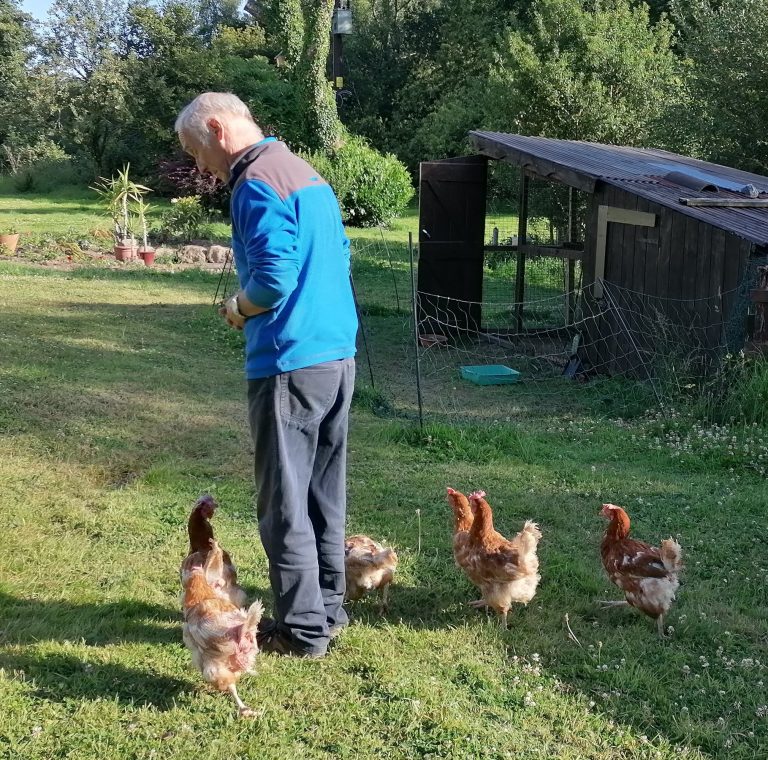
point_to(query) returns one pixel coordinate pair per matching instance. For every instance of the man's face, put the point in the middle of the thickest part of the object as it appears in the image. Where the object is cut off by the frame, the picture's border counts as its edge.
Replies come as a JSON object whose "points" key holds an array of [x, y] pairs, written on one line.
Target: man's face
{"points": [[210, 156]]}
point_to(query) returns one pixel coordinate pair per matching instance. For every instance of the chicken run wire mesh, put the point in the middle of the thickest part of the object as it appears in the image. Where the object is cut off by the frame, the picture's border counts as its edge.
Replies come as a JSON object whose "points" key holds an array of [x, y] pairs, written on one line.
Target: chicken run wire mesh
{"points": [[622, 354]]}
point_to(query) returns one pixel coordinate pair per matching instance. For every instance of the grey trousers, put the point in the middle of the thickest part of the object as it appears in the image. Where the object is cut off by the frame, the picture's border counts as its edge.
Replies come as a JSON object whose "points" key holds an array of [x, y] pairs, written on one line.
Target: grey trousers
{"points": [[299, 426]]}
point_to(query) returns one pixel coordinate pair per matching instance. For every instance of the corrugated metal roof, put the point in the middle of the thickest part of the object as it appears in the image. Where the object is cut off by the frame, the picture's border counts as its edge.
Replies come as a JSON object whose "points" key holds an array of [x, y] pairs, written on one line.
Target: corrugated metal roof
{"points": [[637, 170]]}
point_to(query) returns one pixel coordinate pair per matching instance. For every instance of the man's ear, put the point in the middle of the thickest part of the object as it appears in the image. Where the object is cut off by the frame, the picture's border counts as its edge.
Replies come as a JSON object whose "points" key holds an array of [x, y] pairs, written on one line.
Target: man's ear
{"points": [[215, 126]]}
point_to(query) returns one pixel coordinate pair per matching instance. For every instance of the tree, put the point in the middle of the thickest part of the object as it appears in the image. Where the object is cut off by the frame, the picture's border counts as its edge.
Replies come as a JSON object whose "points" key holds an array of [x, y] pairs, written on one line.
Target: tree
{"points": [[215, 14], [607, 75], [323, 127], [29, 95], [300, 31], [393, 41], [16, 38], [81, 34], [728, 112]]}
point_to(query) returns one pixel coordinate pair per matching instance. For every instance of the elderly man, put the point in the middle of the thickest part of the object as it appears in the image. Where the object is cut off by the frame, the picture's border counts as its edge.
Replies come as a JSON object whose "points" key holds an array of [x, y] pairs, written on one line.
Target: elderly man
{"points": [[296, 309]]}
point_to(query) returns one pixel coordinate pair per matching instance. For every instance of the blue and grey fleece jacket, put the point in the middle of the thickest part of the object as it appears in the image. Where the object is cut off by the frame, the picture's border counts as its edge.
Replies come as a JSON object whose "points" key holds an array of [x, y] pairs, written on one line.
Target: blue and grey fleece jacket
{"points": [[292, 257]]}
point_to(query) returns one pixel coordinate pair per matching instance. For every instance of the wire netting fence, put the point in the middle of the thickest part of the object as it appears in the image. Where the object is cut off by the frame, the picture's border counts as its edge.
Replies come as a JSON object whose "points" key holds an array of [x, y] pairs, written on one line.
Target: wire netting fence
{"points": [[556, 217], [622, 354], [549, 289]]}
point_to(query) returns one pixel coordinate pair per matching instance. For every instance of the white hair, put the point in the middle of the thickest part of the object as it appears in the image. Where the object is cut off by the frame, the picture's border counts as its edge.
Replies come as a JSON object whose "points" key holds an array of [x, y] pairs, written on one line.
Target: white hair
{"points": [[193, 119]]}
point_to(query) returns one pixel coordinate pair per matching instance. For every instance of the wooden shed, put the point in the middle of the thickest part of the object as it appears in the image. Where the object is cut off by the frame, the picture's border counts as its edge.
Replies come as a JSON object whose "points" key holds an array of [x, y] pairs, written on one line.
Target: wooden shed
{"points": [[657, 223]]}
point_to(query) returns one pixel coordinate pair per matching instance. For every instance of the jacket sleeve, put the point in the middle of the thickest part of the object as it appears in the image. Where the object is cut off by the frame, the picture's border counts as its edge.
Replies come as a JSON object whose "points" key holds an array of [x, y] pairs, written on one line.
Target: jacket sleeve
{"points": [[269, 230]]}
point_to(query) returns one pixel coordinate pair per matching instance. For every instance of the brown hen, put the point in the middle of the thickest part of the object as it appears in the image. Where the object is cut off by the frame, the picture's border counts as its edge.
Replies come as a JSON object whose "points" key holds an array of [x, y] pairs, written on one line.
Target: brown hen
{"points": [[222, 576], [648, 576], [505, 571], [369, 566]]}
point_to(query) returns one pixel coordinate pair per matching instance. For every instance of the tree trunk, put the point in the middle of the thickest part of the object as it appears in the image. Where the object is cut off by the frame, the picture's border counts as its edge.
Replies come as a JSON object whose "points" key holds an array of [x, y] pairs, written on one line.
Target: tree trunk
{"points": [[323, 126]]}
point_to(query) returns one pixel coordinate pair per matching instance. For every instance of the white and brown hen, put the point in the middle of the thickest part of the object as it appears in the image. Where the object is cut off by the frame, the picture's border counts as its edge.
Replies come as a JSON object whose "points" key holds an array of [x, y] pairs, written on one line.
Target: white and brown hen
{"points": [[369, 566], [222, 575], [220, 635], [648, 576], [506, 571]]}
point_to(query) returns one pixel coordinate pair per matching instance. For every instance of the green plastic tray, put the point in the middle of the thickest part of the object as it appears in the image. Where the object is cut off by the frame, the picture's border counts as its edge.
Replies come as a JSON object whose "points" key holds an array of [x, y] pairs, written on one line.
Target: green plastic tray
{"points": [[490, 374]]}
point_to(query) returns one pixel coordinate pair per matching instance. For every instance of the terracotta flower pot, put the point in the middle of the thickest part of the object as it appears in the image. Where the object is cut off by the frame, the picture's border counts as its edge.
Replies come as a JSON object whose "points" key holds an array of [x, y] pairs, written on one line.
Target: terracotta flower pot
{"points": [[148, 254], [8, 243], [124, 252]]}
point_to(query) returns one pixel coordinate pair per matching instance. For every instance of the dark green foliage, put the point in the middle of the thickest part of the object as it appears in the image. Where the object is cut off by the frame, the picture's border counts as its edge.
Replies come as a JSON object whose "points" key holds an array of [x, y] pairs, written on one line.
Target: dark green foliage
{"points": [[48, 173], [728, 64], [559, 68], [372, 188]]}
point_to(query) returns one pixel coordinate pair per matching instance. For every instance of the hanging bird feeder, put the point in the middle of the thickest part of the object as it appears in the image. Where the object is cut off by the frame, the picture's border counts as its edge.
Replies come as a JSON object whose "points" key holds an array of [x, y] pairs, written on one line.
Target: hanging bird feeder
{"points": [[342, 18]]}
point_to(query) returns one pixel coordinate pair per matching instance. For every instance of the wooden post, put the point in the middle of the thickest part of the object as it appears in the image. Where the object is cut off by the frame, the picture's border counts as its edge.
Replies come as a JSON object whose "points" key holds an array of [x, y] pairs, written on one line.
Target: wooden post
{"points": [[570, 267], [606, 214], [415, 310], [495, 236], [759, 297], [522, 235]]}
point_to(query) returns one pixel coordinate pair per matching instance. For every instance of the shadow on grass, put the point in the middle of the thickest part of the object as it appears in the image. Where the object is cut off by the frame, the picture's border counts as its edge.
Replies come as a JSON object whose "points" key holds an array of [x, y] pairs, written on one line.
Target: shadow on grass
{"points": [[28, 621], [62, 677]]}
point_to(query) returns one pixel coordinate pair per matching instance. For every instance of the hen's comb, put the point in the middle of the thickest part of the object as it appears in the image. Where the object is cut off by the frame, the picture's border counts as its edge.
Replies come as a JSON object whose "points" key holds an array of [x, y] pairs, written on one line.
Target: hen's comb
{"points": [[477, 495], [451, 491]]}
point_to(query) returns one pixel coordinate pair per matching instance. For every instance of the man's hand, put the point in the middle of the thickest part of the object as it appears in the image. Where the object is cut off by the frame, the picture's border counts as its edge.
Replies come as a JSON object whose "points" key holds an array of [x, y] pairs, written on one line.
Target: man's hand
{"points": [[238, 308], [228, 311]]}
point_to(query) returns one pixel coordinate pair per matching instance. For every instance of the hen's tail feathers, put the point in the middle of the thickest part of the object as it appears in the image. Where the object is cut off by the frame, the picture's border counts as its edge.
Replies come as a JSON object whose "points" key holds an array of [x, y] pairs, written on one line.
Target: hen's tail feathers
{"points": [[253, 616], [671, 555], [530, 534], [374, 558]]}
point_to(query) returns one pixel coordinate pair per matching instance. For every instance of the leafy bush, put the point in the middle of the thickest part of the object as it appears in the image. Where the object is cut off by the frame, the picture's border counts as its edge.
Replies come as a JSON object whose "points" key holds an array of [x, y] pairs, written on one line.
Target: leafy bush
{"points": [[46, 175], [18, 153], [186, 219], [738, 391], [180, 177], [44, 166], [372, 188]]}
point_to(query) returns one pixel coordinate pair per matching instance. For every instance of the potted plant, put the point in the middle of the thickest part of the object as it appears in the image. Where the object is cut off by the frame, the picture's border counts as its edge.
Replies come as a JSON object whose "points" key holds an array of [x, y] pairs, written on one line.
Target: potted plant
{"points": [[147, 252], [9, 239], [119, 195]]}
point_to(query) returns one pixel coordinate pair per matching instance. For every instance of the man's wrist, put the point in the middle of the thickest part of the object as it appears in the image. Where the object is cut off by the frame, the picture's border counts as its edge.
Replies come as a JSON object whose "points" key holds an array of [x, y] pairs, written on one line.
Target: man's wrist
{"points": [[234, 307]]}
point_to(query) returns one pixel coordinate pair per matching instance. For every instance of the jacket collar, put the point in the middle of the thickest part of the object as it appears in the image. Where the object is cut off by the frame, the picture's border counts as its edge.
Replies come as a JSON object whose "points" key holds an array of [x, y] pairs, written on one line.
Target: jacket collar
{"points": [[250, 155]]}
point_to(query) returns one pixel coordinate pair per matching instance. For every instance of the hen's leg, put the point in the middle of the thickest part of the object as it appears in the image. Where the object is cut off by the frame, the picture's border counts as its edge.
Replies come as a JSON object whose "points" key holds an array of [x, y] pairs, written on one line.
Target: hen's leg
{"points": [[504, 614], [384, 605], [478, 604], [244, 710], [660, 626], [607, 604]]}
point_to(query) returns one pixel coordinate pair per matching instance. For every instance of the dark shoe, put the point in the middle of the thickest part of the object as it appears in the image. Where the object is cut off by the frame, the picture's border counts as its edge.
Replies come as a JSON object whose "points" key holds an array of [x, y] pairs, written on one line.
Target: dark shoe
{"points": [[266, 625], [273, 641], [336, 630]]}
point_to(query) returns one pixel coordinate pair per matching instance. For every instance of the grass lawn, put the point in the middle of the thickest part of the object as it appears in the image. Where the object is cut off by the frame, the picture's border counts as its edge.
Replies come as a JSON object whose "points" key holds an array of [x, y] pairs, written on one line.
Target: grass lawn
{"points": [[67, 213], [71, 212], [121, 400]]}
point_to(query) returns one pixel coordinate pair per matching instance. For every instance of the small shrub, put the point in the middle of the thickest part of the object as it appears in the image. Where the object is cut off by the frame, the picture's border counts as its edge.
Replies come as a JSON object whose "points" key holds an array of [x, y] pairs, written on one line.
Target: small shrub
{"points": [[47, 174], [186, 219], [180, 177], [738, 391], [372, 188]]}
